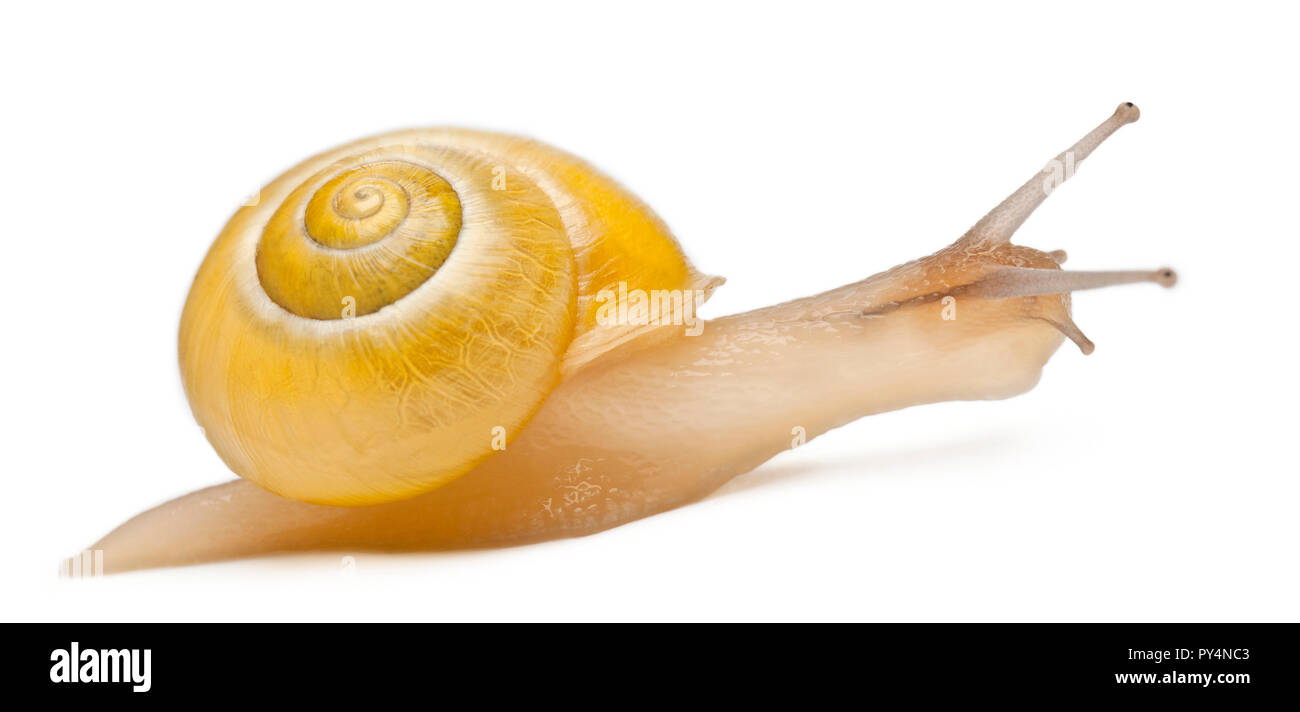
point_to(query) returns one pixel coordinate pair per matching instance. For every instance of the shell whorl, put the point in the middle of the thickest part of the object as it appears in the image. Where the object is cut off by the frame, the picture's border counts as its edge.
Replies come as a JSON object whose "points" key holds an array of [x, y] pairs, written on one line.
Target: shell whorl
{"points": [[388, 308], [373, 231]]}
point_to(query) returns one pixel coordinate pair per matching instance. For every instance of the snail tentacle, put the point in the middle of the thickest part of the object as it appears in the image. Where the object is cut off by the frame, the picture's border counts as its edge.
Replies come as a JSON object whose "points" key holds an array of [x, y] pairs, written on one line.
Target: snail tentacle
{"points": [[1001, 222]]}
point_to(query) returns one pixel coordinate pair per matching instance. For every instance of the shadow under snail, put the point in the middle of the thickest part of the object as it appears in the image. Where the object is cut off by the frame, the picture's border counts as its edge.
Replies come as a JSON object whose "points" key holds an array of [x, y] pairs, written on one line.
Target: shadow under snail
{"points": [[423, 340]]}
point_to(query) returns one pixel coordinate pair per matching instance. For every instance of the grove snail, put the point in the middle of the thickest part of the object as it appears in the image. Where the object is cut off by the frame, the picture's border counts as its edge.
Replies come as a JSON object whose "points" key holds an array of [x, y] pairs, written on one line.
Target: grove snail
{"points": [[407, 344]]}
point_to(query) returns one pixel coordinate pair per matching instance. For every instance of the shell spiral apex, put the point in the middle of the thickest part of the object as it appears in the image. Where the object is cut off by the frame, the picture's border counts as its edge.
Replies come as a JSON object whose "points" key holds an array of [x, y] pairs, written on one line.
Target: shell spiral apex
{"points": [[362, 334]]}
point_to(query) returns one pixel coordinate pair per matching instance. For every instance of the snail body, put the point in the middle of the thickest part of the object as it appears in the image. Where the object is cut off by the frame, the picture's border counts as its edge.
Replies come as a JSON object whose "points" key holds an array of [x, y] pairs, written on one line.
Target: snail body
{"points": [[474, 395]]}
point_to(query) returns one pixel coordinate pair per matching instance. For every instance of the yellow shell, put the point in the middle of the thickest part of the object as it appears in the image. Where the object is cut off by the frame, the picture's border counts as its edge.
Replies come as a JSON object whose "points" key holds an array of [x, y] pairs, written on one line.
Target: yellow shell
{"points": [[392, 307]]}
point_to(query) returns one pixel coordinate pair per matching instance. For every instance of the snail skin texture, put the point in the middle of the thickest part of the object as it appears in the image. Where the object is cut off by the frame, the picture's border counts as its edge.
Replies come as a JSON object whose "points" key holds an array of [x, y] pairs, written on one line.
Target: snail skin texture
{"points": [[409, 344]]}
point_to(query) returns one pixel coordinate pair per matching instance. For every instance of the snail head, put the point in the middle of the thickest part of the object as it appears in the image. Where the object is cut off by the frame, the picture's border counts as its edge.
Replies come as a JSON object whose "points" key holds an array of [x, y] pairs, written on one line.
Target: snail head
{"points": [[983, 281]]}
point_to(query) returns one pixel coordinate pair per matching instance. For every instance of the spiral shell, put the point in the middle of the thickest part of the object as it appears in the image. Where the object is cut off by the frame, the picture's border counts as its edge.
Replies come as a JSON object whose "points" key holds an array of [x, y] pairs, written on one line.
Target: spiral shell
{"points": [[391, 306]]}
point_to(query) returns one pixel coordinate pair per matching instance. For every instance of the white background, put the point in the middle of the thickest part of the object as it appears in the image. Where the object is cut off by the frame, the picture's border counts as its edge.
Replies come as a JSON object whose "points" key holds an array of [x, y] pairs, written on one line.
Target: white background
{"points": [[792, 147]]}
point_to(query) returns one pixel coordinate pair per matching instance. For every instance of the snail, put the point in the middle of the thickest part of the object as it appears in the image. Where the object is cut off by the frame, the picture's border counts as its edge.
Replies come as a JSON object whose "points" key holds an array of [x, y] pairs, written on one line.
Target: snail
{"points": [[449, 338]]}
